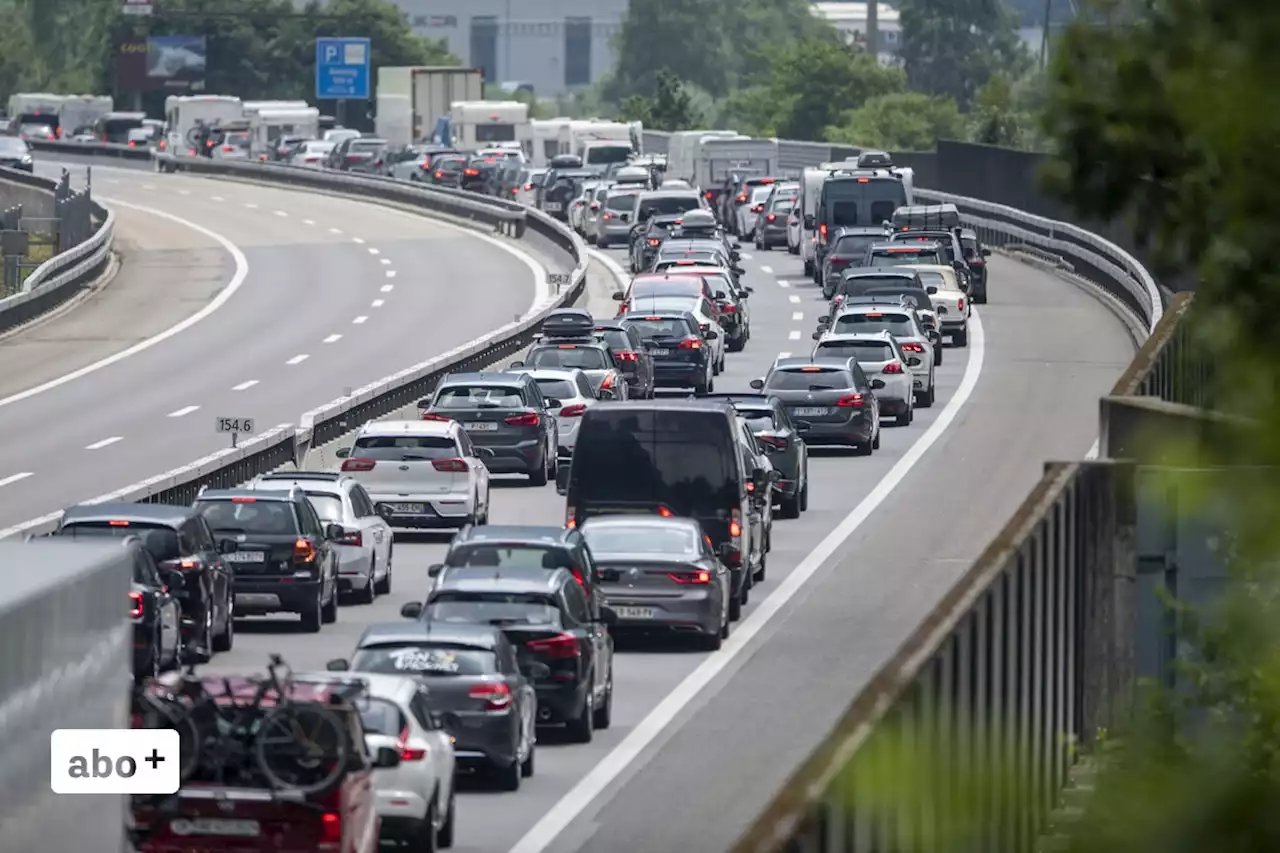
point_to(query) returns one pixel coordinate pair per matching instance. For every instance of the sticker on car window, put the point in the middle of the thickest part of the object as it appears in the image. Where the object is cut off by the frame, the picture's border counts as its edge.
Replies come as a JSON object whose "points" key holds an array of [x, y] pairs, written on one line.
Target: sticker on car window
{"points": [[425, 660]]}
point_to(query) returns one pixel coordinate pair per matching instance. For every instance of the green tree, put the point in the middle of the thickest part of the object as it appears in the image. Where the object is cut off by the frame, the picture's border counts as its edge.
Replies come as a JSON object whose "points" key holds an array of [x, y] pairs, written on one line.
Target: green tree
{"points": [[952, 47], [901, 121], [670, 109]]}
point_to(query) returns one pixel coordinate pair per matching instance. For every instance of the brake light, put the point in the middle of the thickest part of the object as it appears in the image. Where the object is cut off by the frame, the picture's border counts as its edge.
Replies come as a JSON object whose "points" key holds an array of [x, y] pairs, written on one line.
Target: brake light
{"points": [[663, 512], [330, 828], [690, 343], [839, 262], [741, 199], [892, 367], [471, 173], [913, 347], [773, 441], [607, 216], [707, 194], [735, 526], [728, 309], [528, 188], [433, 417], [607, 383], [850, 401], [118, 523], [439, 174], [570, 520], [132, 143], [244, 500], [960, 304], [303, 551], [451, 466], [559, 646], [757, 208], [353, 538], [357, 464], [627, 356], [577, 576], [822, 230], [528, 419], [771, 217], [135, 605], [653, 241], [577, 410], [690, 577]]}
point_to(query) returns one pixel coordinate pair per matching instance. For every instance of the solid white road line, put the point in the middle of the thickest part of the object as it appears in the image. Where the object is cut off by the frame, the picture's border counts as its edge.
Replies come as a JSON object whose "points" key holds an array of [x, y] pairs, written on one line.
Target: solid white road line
{"points": [[359, 319], [387, 288], [377, 303], [298, 359], [183, 412], [333, 339], [672, 707], [793, 336], [244, 386], [13, 478], [106, 442], [237, 279]]}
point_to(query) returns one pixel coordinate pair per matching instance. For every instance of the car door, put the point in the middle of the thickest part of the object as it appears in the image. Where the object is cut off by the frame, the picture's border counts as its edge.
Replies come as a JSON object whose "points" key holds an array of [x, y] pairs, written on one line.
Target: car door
{"points": [[371, 524], [167, 611], [755, 502], [521, 687], [312, 527], [708, 315], [197, 539], [467, 451], [547, 421], [439, 747], [578, 608]]}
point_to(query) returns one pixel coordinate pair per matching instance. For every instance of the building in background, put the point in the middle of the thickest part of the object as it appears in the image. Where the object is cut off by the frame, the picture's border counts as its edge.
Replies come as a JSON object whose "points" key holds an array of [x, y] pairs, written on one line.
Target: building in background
{"points": [[554, 46], [849, 17]]}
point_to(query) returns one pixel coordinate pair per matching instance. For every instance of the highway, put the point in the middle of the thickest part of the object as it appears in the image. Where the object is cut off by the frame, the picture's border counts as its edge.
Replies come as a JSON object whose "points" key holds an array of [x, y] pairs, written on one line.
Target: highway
{"points": [[288, 299]]}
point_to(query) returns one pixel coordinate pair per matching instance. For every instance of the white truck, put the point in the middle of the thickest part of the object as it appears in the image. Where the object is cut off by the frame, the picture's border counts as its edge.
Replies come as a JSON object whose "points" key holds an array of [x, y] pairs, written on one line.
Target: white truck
{"points": [[79, 113], [484, 124], [35, 109], [811, 182], [719, 157], [410, 100], [683, 149], [66, 649]]}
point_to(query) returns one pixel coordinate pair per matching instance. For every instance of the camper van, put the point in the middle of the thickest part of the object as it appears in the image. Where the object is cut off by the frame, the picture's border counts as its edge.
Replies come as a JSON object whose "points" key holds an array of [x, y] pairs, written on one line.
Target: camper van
{"points": [[683, 150], [79, 113], [183, 112], [481, 124], [545, 140], [34, 111]]}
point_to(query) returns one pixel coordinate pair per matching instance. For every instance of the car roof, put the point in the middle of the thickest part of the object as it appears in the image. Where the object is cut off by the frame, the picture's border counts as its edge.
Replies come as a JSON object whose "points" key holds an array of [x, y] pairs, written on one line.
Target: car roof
{"points": [[642, 520], [860, 230], [485, 578], [253, 495], [788, 362], [665, 314], [903, 271], [513, 533], [482, 377], [875, 308], [391, 428], [839, 337], [570, 374], [458, 633], [126, 511]]}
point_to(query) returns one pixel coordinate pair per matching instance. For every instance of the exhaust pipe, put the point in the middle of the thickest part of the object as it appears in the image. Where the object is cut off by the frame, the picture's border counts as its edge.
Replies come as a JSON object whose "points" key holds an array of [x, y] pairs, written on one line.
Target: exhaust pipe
{"points": [[544, 713]]}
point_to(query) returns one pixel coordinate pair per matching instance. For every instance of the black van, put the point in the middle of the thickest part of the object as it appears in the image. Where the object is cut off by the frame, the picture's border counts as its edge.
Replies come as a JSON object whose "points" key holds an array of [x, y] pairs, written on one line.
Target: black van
{"points": [[672, 458]]}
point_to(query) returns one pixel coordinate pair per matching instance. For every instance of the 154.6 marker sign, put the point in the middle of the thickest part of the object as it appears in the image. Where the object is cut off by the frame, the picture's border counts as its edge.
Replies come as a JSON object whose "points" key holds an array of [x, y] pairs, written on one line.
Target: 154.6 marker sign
{"points": [[236, 425]]}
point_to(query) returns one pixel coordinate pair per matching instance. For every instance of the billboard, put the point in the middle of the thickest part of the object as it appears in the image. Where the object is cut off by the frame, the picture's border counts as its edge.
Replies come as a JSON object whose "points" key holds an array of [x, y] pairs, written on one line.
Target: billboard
{"points": [[162, 63]]}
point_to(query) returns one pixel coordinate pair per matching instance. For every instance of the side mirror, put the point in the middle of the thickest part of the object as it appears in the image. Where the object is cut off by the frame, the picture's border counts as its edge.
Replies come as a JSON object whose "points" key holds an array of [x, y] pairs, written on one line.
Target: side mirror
{"points": [[424, 403], [775, 476], [817, 336], [757, 384], [385, 758], [931, 290], [761, 478], [913, 362], [711, 334], [338, 665], [434, 570], [877, 384], [808, 222], [552, 403], [719, 294], [515, 365], [228, 546], [824, 320], [618, 297], [411, 609], [736, 246], [342, 452], [334, 531], [384, 512], [608, 615]]}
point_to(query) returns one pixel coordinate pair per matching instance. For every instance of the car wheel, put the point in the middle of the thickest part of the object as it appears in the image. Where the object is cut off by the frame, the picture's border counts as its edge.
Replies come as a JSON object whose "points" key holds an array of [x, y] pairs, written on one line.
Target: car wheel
{"points": [[961, 338], [601, 242], [804, 493], [713, 641], [507, 776], [603, 716], [903, 419], [538, 476], [224, 641], [789, 507], [808, 267], [367, 594], [581, 729], [758, 575], [937, 355], [383, 587], [425, 832], [311, 619], [444, 838], [329, 610], [735, 605], [875, 442]]}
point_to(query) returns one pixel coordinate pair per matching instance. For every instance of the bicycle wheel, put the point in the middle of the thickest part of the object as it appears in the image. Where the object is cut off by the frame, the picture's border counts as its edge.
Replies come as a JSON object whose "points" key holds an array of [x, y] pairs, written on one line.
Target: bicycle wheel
{"points": [[164, 712], [303, 747]]}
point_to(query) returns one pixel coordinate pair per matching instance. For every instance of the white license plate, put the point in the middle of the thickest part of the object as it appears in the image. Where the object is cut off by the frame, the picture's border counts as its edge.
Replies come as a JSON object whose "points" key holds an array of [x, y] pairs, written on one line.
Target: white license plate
{"points": [[552, 206], [480, 426], [810, 411], [659, 352], [409, 508], [634, 612], [245, 557], [215, 826]]}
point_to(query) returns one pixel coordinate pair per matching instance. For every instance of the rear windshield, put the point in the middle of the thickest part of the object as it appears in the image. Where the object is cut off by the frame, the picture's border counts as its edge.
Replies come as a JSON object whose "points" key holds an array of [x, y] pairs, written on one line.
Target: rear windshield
{"points": [[616, 340], [970, 246], [425, 659], [854, 244], [895, 324], [783, 205], [584, 358], [557, 389], [668, 303], [479, 397], [380, 717], [825, 379], [759, 194], [898, 258], [670, 204], [509, 556], [864, 283], [684, 460], [366, 146], [449, 164], [687, 259], [870, 351], [931, 278], [252, 516], [405, 448], [660, 327], [915, 295], [495, 608], [624, 201], [758, 421], [236, 140], [620, 540], [159, 537]]}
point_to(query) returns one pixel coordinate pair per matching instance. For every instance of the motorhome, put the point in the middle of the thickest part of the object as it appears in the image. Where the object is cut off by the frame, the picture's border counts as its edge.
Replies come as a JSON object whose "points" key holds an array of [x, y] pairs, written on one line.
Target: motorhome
{"points": [[720, 157], [184, 112], [477, 124], [79, 113], [601, 143], [35, 108], [545, 140], [269, 124], [683, 149]]}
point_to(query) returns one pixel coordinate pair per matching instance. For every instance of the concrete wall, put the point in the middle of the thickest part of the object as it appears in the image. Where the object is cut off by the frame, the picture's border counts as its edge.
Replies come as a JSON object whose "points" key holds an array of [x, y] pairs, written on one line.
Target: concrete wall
{"points": [[37, 202]]}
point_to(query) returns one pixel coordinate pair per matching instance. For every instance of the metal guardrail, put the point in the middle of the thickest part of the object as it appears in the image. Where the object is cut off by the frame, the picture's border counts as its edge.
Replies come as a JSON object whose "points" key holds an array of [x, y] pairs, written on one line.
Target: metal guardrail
{"points": [[277, 447]]}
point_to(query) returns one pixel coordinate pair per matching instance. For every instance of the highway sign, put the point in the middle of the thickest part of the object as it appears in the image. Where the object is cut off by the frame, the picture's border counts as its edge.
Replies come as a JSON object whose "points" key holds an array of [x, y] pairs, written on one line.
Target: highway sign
{"points": [[236, 425], [137, 7], [342, 69]]}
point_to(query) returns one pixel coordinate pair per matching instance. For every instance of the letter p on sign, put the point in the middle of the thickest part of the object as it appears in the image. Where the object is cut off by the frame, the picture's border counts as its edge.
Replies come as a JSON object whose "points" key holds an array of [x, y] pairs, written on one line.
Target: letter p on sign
{"points": [[331, 54]]}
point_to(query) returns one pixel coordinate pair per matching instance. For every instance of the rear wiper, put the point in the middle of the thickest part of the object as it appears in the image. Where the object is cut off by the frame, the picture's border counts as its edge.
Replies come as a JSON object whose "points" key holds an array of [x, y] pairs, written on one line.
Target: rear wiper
{"points": [[500, 622], [823, 388]]}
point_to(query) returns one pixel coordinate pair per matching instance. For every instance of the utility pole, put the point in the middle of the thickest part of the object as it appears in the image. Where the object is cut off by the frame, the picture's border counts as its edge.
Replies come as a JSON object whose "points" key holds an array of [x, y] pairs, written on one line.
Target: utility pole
{"points": [[1044, 35], [873, 29]]}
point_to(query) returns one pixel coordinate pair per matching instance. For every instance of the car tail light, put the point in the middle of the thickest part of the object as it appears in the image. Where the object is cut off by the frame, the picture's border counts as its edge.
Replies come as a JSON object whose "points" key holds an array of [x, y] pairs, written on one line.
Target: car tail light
{"points": [[913, 347], [595, 205], [707, 194], [741, 198], [427, 416], [892, 367], [471, 173], [626, 356], [690, 343], [132, 143], [496, 697], [735, 523], [439, 175], [773, 441], [559, 646], [515, 190], [528, 188], [663, 512], [577, 576], [355, 537], [227, 149], [135, 605], [358, 464], [698, 577], [607, 216], [577, 410], [607, 382], [960, 304], [570, 520], [757, 208], [727, 308], [451, 466], [528, 419], [822, 231], [839, 262], [850, 401], [330, 828], [771, 217], [409, 753], [303, 551], [654, 241], [191, 152]]}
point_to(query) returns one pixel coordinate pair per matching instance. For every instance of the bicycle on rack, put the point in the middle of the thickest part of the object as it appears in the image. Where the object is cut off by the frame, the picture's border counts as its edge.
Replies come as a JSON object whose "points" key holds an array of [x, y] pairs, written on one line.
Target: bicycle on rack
{"points": [[298, 746]]}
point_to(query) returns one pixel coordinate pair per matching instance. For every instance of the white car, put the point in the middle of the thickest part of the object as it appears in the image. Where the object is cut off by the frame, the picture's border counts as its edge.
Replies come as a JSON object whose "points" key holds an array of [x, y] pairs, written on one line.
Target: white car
{"points": [[527, 193], [903, 324], [881, 357], [949, 301], [579, 206], [572, 391], [313, 153], [416, 798], [421, 475], [699, 307], [364, 554]]}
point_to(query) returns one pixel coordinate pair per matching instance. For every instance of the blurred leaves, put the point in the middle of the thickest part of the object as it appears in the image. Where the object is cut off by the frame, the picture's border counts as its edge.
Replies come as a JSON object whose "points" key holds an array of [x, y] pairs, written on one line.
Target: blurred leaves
{"points": [[670, 109], [901, 121], [953, 47]]}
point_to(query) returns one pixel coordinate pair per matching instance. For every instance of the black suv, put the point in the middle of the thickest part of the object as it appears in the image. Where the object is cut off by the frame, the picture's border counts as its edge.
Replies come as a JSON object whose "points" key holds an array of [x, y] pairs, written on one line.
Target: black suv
{"points": [[561, 637], [646, 237], [284, 557], [187, 557]]}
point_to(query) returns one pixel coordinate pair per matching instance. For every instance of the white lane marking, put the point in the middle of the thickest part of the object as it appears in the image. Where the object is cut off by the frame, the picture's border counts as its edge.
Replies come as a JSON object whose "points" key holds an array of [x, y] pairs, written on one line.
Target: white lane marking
{"points": [[797, 316], [13, 478], [251, 205], [183, 412], [385, 261], [237, 279], [784, 284], [281, 213], [357, 240], [378, 303], [766, 270], [335, 230], [244, 386], [784, 355], [745, 256], [332, 339], [391, 273], [374, 252], [359, 319], [106, 442], [184, 192], [795, 300], [298, 359], [387, 288], [793, 336], [217, 198], [308, 222], [672, 707]]}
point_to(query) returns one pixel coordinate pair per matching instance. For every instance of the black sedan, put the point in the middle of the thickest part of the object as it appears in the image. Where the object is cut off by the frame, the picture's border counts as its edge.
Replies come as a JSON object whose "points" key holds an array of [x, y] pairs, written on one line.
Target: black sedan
{"points": [[155, 613], [831, 402], [770, 422]]}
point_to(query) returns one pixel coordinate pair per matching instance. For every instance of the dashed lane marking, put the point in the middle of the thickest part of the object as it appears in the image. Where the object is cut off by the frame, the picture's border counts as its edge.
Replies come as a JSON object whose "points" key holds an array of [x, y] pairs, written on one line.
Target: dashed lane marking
{"points": [[183, 412], [106, 442]]}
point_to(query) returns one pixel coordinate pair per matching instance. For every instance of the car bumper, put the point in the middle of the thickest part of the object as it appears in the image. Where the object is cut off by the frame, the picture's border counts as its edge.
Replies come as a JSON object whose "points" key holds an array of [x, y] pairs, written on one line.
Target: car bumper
{"points": [[398, 804], [258, 597], [353, 568], [698, 611], [679, 377], [511, 459], [919, 380], [620, 233], [481, 739], [452, 509], [558, 702], [851, 432], [773, 236]]}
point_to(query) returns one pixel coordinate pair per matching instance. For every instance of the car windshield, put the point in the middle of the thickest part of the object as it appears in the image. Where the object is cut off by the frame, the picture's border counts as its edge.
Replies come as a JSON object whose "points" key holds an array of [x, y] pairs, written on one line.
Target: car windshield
{"points": [[479, 397], [868, 351], [625, 540], [898, 325], [404, 448], [660, 327], [486, 608], [425, 659], [557, 389], [799, 379], [670, 204], [478, 554], [569, 355], [249, 515]]}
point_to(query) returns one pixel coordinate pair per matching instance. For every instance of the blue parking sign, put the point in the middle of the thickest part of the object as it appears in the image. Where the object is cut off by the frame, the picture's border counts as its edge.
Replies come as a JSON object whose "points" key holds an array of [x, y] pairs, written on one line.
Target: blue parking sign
{"points": [[342, 69]]}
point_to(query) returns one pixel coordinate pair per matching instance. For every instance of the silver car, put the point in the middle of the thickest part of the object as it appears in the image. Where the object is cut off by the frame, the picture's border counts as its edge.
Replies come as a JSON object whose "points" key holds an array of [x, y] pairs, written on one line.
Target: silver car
{"points": [[364, 554], [661, 575], [572, 392], [750, 212], [881, 357], [611, 225], [527, 191], [903, 323], [313, 153]]}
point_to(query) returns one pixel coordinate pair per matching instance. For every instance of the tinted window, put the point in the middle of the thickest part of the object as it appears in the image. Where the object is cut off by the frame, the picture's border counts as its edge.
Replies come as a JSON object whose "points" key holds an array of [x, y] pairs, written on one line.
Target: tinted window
{"points": [[894, 324], [616, 339], [495, 133], [557, 389], [404, 448], [366, 146], [492, 608], [854, 244], [452, 164], [934, 279], [875, 351], [783, 205], [660, 327], [424, 659], [862, 283], [670, 204], [479, 397], [641, 539], [266, 517], [915, 295], [380, 717], [887, 258], [159, 538], [584, 358], [621, 202], [509, 556], [800, 380], [668, 303], [576, 606]]}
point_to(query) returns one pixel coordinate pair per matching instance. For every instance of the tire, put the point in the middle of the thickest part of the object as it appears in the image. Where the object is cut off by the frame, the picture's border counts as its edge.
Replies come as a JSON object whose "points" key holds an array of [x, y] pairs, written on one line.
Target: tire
{"points": [[224, 641], [424, 835], [581, 729], [905, 418], [961, 338], [735, 608], [764, 246], [507, 776], [804, 492], [368, 593], [703, 389], [789, 508], [530, 764], [602, 717], [713, 641], [792, 250], [538, 476], [758, 575], [329, 609], [444, 838], [279, 726], [937, 356], [808, 268], [383, 587], [311, 619]]}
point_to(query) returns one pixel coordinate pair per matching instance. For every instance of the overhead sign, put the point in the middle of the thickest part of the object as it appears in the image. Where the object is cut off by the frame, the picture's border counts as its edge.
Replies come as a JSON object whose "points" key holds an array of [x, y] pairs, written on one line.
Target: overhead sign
{"points": [[137, 7], [342, 69]]}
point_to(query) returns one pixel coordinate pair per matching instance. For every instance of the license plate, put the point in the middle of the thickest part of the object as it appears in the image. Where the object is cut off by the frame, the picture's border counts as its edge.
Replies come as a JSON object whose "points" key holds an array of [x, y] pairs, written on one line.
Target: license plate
{"points": [[553, 206], [810, 411], [659, 352], [215, 826], [245, 557], [408, 508], [480, 426], [634, 612]]}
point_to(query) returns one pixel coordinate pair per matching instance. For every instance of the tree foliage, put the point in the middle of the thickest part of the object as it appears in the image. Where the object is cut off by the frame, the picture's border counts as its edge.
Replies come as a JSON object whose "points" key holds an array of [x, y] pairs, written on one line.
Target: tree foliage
{"points": [[901, 121], [952, 47], [670, 109]]}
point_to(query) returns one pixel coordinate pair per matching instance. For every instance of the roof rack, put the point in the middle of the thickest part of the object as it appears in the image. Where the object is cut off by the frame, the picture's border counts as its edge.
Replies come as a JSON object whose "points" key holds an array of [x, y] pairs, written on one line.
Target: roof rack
{"points": [[328, 476]]}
